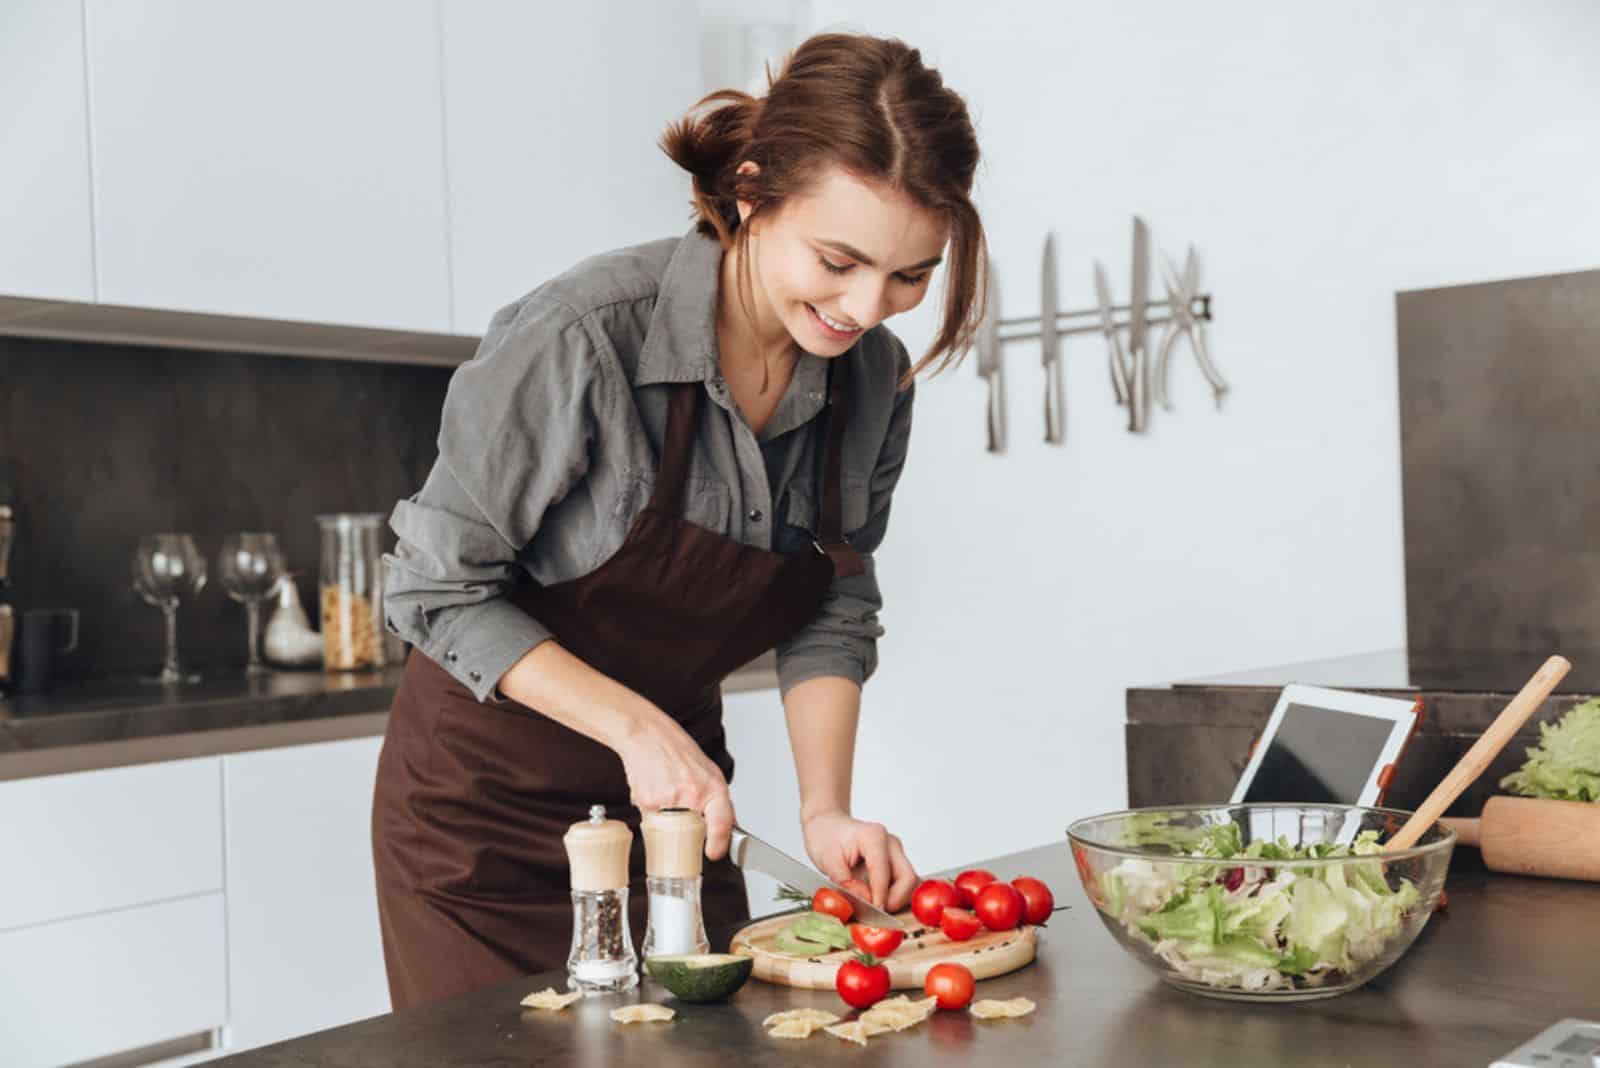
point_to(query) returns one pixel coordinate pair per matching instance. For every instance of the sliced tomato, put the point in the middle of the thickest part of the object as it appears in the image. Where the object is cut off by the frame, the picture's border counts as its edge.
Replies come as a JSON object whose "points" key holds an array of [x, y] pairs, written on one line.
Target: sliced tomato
{"points": [[879, 941], [959, 925], [930, 900], [951, 983], [833, 903], [968, 883]]}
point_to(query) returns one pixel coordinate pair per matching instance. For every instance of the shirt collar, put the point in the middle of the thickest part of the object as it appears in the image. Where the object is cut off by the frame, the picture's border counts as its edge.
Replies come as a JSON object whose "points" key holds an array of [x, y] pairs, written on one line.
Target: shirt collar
{"points": [[681, 344]]}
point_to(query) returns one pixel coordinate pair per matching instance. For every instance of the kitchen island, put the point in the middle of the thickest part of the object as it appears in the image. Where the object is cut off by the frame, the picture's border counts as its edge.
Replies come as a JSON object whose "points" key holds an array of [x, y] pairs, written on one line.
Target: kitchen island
{"points": [[1506, 959]]}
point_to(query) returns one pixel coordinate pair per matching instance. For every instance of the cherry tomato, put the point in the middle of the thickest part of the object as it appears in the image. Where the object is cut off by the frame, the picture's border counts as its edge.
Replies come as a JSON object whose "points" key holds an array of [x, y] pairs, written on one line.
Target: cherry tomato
{"points": [[959, 925], [879, 941], [999, 906], [833, 903], [930, 900], [1037, 900], [951, 983], [968, 883], [862, 981]]}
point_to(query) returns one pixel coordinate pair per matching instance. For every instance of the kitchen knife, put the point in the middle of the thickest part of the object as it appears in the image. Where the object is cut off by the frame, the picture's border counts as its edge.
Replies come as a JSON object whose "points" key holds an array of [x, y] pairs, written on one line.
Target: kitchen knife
{"points": [[1108, 324], [990, 366], [1050, 347], [1139, 385], [752, 854]]}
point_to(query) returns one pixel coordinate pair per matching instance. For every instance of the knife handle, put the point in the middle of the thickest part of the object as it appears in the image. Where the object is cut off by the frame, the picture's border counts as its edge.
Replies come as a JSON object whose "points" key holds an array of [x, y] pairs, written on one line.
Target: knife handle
{"points": [[1053, 402], [991, 417]]}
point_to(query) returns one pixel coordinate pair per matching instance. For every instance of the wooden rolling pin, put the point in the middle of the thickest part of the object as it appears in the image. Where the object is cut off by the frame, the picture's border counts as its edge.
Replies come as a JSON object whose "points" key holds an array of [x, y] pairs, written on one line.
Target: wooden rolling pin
{"points": [[1531, 836]]}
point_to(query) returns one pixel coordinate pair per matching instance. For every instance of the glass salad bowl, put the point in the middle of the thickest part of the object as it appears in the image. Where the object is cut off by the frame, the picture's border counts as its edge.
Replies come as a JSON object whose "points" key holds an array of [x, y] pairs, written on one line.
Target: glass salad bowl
{"points": [[1260, 902]]}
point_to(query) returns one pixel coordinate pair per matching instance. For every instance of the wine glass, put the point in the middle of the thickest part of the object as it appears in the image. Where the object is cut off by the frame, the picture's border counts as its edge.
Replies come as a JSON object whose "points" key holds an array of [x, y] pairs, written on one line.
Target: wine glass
{"points": [[249, 567], [167, 568]]}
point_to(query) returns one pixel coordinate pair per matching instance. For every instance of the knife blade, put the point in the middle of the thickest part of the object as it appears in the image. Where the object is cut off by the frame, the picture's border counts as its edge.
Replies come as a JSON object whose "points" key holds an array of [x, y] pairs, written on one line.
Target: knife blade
{"points": [[1139, 386], [1108, 325], [1050, 346], [990, 365], [752, 854]]}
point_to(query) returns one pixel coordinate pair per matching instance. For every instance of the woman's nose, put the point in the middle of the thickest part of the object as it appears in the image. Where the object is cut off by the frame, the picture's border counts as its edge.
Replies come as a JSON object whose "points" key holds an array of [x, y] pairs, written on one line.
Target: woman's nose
{"points": [[864, 303]]}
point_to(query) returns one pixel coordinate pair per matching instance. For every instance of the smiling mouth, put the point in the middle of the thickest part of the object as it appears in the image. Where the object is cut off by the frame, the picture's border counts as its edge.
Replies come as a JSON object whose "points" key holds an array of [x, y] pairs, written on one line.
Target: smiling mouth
{"points": [[833, 326]]}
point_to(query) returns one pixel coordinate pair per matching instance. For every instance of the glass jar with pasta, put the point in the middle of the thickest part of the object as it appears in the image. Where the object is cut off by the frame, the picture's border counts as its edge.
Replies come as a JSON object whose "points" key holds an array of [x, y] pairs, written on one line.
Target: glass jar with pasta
{"points": [[352, 591]]}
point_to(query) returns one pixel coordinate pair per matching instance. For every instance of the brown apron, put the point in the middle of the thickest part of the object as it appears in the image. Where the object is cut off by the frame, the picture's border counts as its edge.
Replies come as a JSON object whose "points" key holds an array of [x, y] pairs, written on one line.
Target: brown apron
{"points": [[472, 799]]}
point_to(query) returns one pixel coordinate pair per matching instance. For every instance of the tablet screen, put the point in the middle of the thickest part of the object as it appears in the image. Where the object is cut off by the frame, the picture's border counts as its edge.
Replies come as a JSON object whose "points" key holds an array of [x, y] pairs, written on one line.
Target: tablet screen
{"points": [[1319, 755]]}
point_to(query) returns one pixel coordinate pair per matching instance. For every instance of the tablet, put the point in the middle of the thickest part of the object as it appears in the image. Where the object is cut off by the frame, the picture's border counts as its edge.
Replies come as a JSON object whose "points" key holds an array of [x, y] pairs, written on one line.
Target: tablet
{"points": [[1327, 747]]}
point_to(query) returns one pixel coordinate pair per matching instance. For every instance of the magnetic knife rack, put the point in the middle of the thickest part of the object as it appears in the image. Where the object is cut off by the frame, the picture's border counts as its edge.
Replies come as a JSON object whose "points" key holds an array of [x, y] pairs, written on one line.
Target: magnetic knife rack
{"points": [[1201, 304]]}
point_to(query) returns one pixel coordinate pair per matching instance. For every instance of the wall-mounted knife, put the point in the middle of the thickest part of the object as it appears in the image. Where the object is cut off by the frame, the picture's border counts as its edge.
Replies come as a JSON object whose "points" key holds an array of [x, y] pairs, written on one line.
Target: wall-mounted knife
{"points": [[1139, 385], [752, 854], [1050, 348], [1108, 325], [991, 364]]}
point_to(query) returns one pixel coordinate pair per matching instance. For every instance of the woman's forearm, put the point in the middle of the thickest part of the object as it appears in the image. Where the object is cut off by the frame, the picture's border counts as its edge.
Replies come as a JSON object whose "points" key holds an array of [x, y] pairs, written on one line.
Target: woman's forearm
{"points": [[559, 685], [822, 714]]}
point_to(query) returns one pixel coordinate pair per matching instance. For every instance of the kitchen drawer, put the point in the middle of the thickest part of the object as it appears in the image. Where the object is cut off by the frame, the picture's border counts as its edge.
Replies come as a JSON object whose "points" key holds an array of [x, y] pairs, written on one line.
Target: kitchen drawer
{"points": [[78, 844], [91, 987]]}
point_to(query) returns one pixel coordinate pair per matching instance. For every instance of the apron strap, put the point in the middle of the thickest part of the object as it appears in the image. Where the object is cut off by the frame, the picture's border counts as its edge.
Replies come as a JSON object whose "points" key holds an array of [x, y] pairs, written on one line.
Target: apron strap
{"points": [[830, 522], [683, 411]]}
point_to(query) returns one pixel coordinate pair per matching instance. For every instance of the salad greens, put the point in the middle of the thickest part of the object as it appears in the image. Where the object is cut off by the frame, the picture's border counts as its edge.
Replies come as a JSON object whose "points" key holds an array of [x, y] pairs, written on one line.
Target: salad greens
{"points": [[1565, 765], [1253, 926]]}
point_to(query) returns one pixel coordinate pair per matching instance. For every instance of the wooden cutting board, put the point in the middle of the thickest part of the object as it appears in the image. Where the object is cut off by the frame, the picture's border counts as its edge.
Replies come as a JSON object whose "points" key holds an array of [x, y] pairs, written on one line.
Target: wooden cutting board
{"points": [[986, 954]]}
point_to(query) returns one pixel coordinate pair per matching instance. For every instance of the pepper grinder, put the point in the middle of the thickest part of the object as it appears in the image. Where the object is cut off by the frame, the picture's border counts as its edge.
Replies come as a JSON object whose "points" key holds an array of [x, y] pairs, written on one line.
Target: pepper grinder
{"points": [[674, 842], [602, 958]]}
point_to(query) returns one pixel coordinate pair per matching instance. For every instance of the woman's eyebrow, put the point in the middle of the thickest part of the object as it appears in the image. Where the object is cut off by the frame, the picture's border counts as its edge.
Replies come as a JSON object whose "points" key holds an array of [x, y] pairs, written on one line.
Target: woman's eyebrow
{"points": [[862, 257]]}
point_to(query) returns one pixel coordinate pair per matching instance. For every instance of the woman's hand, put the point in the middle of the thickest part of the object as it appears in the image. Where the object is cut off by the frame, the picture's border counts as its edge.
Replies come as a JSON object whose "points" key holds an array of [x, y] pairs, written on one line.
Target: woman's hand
{"points": [[862, 857], [666, 768]]}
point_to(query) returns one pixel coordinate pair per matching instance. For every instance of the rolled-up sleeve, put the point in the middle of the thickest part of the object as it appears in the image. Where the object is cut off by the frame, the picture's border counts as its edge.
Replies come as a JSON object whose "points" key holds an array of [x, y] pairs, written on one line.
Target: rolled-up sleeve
{"points": [[842, 641], [514, 439]]}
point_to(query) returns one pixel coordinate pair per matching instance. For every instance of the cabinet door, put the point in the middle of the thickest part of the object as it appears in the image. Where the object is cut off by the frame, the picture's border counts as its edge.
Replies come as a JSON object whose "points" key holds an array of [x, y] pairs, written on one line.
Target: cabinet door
{"points": [[275, 160], [304, 951], [44, 128], [93, 841], [553, 112], [103, 985]]}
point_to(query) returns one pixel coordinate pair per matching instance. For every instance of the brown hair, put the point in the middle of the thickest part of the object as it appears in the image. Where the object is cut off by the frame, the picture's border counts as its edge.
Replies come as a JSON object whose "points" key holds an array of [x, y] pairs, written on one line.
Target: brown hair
{"points": [[869, 106]]}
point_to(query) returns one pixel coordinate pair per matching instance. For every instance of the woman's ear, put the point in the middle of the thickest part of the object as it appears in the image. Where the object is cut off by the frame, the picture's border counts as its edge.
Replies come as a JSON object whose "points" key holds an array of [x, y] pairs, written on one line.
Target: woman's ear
{"points": [[748, 168]]}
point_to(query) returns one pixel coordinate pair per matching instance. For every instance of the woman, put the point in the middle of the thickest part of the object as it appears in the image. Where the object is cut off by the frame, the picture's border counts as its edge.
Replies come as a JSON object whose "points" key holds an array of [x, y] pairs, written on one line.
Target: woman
{"points": [[658, 466]]}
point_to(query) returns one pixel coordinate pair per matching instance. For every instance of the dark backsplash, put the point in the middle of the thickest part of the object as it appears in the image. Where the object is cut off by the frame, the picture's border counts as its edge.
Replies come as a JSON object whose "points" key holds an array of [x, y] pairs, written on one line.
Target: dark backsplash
{"points": [[111, 442], [1500, 430]]}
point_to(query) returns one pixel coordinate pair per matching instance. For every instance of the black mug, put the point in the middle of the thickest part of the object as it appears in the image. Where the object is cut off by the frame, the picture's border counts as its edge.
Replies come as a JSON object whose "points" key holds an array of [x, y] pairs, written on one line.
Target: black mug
{"points": [[45, 634]]}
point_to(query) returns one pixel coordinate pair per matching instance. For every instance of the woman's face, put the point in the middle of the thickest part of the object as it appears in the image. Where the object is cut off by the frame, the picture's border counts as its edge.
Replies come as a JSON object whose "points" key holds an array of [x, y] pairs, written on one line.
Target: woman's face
{"points": [[841, 259]]}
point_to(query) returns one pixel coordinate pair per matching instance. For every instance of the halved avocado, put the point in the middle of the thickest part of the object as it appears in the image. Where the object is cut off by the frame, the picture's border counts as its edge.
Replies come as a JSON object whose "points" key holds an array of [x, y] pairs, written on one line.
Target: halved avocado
{"points": [[700, 977]]}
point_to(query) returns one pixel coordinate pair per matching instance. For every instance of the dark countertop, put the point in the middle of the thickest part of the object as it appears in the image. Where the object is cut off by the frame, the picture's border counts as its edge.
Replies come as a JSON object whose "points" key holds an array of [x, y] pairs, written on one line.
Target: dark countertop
{"points": [[1509, 957], [115, 722]]}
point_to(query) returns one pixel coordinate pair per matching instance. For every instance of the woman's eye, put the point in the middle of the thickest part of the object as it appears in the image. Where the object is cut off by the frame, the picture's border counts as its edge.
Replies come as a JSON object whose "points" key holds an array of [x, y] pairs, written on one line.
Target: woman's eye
{"points": [[915, 280], [835, 268]]}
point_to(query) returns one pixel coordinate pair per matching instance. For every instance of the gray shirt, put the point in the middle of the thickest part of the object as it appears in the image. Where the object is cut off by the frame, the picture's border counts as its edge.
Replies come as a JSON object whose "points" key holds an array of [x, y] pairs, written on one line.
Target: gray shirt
{"points": [[548, 446]]}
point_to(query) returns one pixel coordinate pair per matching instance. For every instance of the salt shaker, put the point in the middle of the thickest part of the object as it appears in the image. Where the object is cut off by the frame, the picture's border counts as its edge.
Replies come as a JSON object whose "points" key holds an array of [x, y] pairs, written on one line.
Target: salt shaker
{"points": [[674, 842], [602, 958]]}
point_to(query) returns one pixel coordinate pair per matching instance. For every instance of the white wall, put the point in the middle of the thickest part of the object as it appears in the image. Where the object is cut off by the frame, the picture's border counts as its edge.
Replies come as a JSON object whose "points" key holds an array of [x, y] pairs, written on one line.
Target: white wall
{"points": [[1321, 158]]}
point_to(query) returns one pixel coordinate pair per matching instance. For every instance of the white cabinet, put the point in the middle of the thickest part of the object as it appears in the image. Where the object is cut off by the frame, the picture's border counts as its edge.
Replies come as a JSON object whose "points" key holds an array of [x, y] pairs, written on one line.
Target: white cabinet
{"points": [[87, 842], [274, 160], [304, 951], [552, 114], [107, 984], [45, 235]]}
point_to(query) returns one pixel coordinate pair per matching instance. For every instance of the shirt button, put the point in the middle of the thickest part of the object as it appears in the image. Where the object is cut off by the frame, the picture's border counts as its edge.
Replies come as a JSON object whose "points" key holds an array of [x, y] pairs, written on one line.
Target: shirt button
{"points": [[475, 676], [451, 656], [755, 515]]}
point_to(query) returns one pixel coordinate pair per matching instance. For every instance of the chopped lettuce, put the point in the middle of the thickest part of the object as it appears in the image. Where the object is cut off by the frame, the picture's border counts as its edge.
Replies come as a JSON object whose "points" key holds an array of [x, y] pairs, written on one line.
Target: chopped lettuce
{"points": [[1565, 765], [1252, 926]]}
